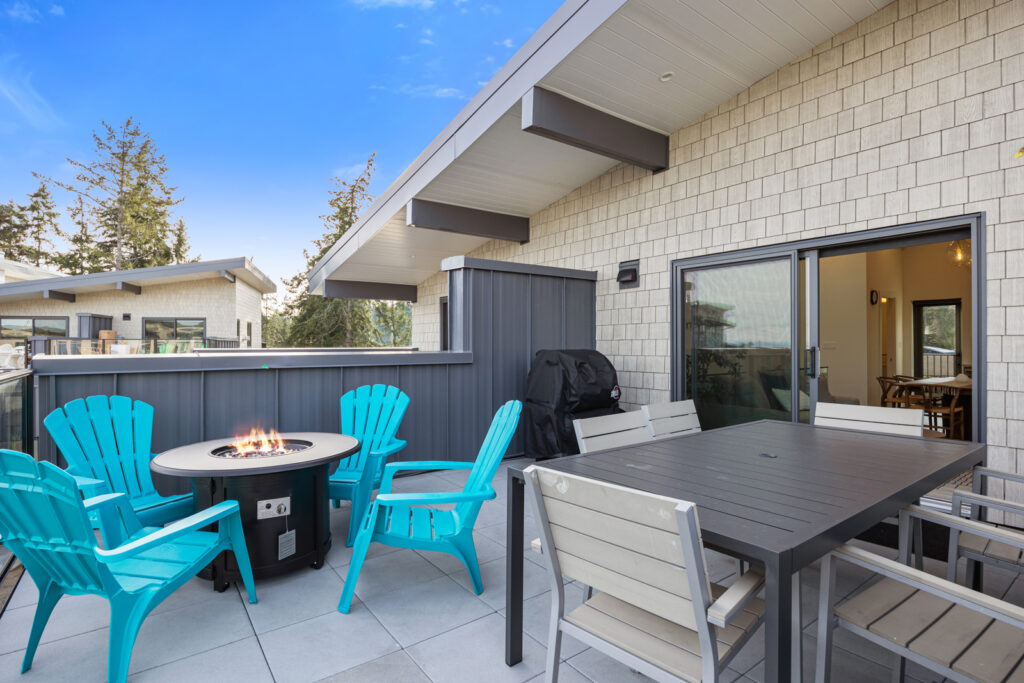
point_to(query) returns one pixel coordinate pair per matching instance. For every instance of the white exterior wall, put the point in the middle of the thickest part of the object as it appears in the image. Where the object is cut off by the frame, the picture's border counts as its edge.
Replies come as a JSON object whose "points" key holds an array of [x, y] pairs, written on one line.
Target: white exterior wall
{"points": [[914, 113], [249, 308], [213, 299]]}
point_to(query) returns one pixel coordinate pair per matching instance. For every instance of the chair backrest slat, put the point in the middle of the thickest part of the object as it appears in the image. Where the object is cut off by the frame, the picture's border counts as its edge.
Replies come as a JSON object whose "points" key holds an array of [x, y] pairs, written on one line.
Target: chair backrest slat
{"points": [[372, 414], [611, 431], [492, 450], [43, 522], [107, 438], [627, 543], [900, 421], [671, 419]]}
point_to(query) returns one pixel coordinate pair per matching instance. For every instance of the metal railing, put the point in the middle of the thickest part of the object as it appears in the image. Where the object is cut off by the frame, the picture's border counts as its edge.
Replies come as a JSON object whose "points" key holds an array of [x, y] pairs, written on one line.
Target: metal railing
{"points": [[66, 346], [16, 411], [940, 364]]}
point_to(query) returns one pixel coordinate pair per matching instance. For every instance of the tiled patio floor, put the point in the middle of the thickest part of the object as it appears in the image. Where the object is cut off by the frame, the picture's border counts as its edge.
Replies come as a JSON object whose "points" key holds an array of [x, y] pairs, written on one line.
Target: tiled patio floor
{"points": [[415, 619]]}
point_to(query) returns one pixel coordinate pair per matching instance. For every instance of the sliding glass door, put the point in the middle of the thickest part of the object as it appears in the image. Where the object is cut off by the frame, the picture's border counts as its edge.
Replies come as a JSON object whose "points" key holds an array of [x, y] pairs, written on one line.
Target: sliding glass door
{"points": [[738, 341]]}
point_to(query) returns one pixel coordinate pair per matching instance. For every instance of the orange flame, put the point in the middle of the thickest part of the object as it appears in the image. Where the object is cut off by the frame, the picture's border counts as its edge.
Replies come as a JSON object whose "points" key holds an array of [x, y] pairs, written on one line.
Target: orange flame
{"points": [[258, 441]]}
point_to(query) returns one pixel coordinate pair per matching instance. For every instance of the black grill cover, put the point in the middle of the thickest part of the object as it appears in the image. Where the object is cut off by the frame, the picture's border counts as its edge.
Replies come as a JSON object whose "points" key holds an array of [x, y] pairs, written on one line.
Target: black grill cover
{"points": [[565, 385]]}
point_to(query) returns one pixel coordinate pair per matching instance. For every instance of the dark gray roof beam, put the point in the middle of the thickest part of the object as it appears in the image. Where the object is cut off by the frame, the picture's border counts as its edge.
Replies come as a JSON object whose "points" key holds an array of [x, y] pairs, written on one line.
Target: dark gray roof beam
{"points": [[351, 289], [421, 213], [557, 117], [58, 295], [129, 287]]}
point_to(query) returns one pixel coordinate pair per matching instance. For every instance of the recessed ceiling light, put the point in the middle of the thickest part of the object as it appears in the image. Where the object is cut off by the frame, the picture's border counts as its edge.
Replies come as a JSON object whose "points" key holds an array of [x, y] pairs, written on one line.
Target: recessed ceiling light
{"points": [[667, 76]]}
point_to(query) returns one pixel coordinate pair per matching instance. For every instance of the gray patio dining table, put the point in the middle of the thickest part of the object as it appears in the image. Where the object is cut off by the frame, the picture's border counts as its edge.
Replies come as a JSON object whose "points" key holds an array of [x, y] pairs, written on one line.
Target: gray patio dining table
{"points": [[778, 494]]}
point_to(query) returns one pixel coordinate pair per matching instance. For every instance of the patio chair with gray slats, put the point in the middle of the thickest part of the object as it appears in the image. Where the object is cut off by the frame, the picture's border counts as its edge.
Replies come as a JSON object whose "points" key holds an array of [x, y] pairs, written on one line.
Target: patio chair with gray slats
{"points": [[978, 548], [671, 419], [611, 431], [656, 610], [961, 634]]}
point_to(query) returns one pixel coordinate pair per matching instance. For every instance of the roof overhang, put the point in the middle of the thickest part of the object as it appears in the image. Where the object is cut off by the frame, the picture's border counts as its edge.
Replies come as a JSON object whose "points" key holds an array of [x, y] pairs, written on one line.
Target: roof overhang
{"points": [[133, 282], [616, 77]]}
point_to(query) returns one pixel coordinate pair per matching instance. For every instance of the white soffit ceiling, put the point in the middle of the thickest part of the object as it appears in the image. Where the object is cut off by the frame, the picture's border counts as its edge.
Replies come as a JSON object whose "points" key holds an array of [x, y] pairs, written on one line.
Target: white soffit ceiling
{"points": [[715, 48]]}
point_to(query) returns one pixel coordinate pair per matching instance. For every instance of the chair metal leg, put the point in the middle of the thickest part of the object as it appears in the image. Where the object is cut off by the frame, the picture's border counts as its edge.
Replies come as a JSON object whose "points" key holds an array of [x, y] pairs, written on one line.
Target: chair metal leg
{"points": [[826, 607]]}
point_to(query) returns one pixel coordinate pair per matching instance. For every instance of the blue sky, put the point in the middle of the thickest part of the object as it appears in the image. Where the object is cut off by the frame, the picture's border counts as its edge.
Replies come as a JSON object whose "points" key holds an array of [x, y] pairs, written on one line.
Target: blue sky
{"points": [[254, 105]]}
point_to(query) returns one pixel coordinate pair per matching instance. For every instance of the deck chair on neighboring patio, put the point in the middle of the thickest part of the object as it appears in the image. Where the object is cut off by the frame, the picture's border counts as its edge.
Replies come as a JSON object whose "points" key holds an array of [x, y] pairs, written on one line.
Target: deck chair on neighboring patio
{"points": [[611, 431], [656, 611], [671, 419], [107, 442], [45, 523]]}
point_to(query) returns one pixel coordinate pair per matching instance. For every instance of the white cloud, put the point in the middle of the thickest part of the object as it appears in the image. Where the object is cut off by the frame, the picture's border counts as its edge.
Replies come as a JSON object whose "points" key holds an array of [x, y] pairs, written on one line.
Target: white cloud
{"points": [[57, 10], [399, 25], [374, 4], [427, 38], [507, 43], [350, 172], [423, 90], [17, 90], [20, 11]]}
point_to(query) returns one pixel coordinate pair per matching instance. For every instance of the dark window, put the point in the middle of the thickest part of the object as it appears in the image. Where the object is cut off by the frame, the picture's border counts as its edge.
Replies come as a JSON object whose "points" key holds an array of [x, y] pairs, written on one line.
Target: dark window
{"points": [[23, 328], [174, 328], [248, 332], [937, 351], [445, 342], [238, 328]]}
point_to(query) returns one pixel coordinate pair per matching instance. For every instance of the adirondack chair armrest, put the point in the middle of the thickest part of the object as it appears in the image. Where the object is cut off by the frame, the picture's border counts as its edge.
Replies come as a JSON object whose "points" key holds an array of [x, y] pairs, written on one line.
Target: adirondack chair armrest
{"points": [[389, 450], [979, 602], [91, 487], [392, 467], [961, 496], [736, 597], [433, 498], [169, 532], [971, 526], [116, 517]]}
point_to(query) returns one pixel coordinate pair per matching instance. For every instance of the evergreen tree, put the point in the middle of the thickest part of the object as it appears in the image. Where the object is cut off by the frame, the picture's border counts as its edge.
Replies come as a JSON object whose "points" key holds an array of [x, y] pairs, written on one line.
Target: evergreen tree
{"points": [[128, 199], [40, 220], [392, 323], [180, 247], [12, 233], [317, 320], [85, 255]]}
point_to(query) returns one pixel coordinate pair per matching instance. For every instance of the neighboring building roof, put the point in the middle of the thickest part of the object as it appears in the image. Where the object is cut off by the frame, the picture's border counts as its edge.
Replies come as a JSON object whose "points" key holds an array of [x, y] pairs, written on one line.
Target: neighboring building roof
{"points": [[615, 57], [16, 271], [65, 286]]}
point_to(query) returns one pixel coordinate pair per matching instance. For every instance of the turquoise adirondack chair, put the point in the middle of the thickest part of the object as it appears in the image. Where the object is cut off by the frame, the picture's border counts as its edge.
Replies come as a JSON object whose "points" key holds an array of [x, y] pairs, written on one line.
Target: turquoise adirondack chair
{"points": [[371, 414], [400, 520], [106, 441], [45, 523]]}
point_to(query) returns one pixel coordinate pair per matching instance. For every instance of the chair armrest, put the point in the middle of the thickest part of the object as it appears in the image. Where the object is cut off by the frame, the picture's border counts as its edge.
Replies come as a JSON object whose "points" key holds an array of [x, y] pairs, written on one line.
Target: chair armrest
{"points": [[91, 487], [961, 496], [982, 472], [169, 532], [735, 597], [970, 526], [923, 581], [433, 498], [389, 450], [392, 467], [116, 517]]}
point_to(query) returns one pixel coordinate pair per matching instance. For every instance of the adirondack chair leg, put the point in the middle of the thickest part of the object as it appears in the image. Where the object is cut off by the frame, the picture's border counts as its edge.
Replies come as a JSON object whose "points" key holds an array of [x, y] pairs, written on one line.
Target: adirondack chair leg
{"points": [[126, 617], [241, 551], [466, 551], [48, 598], [362, 544], [357, 512]]}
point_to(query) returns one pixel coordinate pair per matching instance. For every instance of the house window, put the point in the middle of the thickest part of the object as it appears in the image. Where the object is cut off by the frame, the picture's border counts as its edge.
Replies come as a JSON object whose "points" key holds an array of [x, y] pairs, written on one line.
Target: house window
{"points": [[937, 338], [174, 328], [248, 332], [23, 328], [445, 341]]}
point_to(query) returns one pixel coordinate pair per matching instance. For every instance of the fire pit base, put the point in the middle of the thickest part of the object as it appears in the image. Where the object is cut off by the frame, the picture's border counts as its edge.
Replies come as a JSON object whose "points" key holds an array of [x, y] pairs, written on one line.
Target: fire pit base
{"points": [[308, 520]]}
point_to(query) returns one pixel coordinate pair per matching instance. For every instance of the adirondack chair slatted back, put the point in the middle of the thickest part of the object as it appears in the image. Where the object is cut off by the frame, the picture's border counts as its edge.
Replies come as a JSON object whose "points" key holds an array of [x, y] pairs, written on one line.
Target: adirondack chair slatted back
{"points": [[611, 431], [671, 419], [43, 522], [633, 545], [371, 414], [107, 438], [899, 421], [499, 436]]}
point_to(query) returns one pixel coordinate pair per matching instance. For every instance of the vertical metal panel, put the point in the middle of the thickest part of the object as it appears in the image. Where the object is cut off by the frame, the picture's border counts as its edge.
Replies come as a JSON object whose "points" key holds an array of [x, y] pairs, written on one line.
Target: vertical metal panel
{"points": [[459, 305], [176, 410], [511, 341], [308, 399], [546, 313], [425, 425], [357, 377], [237, 401], [580, 323]]}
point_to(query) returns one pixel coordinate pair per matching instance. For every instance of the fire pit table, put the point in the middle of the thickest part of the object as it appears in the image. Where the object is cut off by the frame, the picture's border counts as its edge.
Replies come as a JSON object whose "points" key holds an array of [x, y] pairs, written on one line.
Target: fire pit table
{"points": [[280, 483]]}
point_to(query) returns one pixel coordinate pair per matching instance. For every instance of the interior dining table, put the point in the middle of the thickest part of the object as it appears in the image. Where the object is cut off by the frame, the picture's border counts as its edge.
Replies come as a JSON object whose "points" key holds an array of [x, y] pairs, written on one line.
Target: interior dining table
{"points": [[958, 388], [776, 494]]}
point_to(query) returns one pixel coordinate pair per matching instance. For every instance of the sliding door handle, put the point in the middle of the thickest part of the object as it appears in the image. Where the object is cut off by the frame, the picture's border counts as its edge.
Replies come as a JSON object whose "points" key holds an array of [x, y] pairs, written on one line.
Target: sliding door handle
{"points": [[811, 362]]}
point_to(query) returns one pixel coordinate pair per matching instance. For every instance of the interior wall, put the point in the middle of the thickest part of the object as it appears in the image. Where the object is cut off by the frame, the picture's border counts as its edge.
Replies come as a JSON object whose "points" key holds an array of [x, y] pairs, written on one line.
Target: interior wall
{"points": [[928, 273], [884, 275], [843, 317]]}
